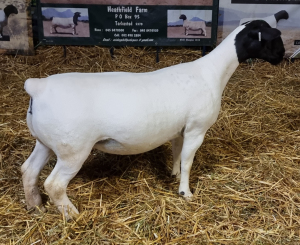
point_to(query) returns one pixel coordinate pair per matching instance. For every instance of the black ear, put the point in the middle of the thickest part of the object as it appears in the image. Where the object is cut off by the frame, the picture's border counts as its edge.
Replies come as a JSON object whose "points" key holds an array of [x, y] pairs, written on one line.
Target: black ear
{"points": [[269, 34]]}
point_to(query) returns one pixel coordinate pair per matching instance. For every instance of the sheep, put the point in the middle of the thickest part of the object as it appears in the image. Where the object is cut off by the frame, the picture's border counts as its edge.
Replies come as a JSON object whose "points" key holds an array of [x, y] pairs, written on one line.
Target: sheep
{"points": [[4, 14], [272, 20], [65, 23], [193, 25], [130, 113]]}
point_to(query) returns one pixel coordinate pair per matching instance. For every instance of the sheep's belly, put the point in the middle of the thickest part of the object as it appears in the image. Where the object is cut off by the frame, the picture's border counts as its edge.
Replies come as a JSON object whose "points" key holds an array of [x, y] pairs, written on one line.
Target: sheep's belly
{"points": [[64, 27], [114, 147], [195, 29]]}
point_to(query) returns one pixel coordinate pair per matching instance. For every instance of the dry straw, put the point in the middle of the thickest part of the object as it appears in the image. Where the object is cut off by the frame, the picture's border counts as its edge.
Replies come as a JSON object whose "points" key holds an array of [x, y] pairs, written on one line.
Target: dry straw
{"points": [[245, 176]]}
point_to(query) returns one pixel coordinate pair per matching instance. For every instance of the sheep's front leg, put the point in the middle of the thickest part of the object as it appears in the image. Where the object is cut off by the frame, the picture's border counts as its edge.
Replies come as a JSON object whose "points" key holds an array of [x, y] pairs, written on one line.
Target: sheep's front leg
{"points": [[186, 31], [66, 168], [31, 170], [191, 143], [74, 31], [176, 149]]}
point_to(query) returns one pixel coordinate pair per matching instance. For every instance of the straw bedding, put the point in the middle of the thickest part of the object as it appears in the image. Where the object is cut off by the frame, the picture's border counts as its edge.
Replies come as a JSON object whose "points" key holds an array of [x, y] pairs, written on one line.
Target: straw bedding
{"points": [[245, 176]]}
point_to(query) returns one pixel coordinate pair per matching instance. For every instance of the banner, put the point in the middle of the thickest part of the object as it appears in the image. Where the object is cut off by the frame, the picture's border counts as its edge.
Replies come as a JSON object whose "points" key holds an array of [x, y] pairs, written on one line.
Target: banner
{"points": [[128, 22], [15, 27], [283, 15]]}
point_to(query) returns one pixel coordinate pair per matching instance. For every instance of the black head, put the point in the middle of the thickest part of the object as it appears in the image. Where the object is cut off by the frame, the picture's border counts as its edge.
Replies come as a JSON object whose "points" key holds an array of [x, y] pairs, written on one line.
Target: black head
{"points": [[182, 17], [75, 17], [77, 14], [269, 48], [10, 9]]}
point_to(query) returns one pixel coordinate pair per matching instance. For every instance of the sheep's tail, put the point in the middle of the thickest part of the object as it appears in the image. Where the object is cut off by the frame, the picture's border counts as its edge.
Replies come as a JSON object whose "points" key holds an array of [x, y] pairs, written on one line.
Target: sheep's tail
{"points": [[33, 87]]}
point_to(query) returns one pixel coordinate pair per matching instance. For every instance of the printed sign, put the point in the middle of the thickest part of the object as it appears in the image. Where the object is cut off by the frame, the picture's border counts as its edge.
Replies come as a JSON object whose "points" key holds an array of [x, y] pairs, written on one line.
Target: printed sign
{"points": [[128, 22], [15, 28], [283, 15]]}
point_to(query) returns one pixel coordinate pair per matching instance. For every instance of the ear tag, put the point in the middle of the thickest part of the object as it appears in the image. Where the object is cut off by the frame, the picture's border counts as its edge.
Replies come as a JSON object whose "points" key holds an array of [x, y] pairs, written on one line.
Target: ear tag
{"points": [[259, 36]]}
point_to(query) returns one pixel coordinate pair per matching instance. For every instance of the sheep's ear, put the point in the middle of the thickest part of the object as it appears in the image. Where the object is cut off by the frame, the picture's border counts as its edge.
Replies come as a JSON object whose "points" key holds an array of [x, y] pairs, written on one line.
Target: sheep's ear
{"points": [[269, 34]]}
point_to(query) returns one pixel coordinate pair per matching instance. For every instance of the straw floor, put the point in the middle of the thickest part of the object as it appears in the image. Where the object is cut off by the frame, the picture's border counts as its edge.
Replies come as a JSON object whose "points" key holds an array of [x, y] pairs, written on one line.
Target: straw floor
{"points": [[245, 176]]}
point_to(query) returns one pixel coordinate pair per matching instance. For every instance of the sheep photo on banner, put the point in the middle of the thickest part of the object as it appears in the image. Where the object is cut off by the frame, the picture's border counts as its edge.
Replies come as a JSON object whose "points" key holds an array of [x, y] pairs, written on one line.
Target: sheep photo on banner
{"points": [[15, 27], [284, 16], [189, 23], [65, 22]]}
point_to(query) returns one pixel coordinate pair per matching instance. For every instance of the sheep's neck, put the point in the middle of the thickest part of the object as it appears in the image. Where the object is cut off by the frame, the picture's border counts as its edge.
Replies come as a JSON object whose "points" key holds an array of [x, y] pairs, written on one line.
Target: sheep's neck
{"points": [[224, 60]]}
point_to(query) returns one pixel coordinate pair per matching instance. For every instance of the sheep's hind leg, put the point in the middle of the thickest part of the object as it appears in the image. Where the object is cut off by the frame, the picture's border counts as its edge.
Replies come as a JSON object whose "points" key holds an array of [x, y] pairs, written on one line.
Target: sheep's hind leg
{"points": [[190, 145], [176, 149], [66, 168], [31, 170], [53, 28]]}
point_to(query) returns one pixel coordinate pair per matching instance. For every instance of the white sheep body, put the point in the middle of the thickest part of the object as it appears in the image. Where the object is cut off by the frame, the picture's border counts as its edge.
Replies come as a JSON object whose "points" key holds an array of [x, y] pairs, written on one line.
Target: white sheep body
{"points": [[123, 113], [64, 23], [126, 113], [194, 26], [140, 111]]}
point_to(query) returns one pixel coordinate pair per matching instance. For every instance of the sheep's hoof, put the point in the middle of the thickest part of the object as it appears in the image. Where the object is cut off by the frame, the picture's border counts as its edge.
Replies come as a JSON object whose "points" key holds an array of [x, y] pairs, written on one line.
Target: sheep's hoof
{"points": [[177, 176], [189, 199], [188, 196], [68, 213], [37, 210]]}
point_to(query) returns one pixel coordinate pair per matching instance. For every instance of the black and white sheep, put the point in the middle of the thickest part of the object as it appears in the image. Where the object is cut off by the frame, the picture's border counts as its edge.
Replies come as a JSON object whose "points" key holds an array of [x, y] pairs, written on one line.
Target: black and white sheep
{"points": [[65, 23], [130, 113], [193, 25], [272, 20], [4, 14]]}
